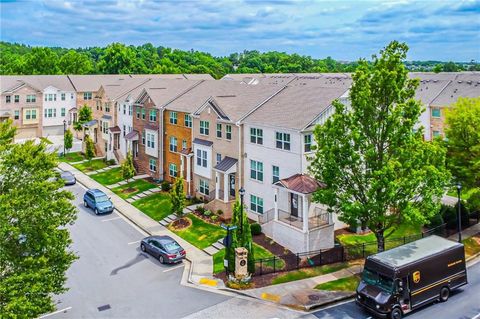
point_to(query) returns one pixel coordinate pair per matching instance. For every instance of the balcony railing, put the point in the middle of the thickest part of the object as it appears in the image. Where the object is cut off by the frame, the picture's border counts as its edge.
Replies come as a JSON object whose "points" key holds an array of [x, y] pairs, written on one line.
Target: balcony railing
{"points": [[319, 219]]}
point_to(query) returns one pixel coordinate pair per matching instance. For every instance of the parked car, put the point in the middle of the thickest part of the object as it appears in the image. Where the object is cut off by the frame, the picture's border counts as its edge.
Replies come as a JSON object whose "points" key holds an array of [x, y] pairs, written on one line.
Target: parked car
{"points": [[98, 201], [68, 178], [164, 248]]}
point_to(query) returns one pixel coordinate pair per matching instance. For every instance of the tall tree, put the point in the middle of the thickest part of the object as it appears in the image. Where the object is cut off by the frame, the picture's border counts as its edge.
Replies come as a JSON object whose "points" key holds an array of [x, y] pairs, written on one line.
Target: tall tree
{"points": [[117, 59], [7, 132], [463, 144], [34, 210], [41, 61], [128, 170], [73, 62], [89, 148], [241, 237], [377, 169], [68, 140], [177, 195], [84, 115]]}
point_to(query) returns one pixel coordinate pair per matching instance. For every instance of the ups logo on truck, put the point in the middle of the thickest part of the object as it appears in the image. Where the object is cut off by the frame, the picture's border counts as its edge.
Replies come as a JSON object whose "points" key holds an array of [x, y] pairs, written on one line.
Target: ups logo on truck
{"points": [[416, 277]]}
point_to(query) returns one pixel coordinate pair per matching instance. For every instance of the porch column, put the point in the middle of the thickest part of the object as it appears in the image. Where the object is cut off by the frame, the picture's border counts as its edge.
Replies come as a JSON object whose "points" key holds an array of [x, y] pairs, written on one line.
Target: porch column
{"points": [[305, 212], [181, 165], [217, 185], [225, 187], [189, 172], [275, 205]]}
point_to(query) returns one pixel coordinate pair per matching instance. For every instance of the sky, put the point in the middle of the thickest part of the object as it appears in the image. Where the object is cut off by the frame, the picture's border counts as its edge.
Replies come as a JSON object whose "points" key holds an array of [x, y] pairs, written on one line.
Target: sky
{"points": [[344, 30]]}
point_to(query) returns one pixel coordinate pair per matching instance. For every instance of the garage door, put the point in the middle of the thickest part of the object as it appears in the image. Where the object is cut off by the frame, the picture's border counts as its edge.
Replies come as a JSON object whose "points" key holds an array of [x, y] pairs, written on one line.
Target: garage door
{"points": [[26, 133], [52, 130]]}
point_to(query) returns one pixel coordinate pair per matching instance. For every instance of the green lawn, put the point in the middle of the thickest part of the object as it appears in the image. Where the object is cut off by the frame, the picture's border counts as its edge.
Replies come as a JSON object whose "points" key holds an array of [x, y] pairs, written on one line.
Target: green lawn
{"points": [[200, 234], [343, 284], [472, 245], [135, 187], [308, 273], [109, 177], [71, 157], [92, 165], [157, 206], [46, 140], [259, 252], [402, 230]]}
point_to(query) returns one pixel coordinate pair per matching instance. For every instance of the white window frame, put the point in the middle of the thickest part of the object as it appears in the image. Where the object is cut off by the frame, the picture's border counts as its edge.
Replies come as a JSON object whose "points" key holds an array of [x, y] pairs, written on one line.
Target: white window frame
{"points": [[256, 170], [188, 120], [275, 177], [218, 133], [307, 144], [204, 128], [173, 145], [256, 204], [281, 139], [173, 117], [172, 170], [152, 164], [204, 187], [256, 135], [150, 140], [202, 158]]}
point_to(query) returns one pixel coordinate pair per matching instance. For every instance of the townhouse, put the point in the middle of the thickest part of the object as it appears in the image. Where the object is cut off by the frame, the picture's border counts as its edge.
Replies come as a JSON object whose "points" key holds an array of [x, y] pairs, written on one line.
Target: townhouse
{"points": [[216, 108]]}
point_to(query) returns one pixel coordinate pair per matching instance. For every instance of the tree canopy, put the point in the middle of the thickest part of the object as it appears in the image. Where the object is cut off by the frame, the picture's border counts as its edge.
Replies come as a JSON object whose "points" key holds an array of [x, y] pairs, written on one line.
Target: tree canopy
{"points": [[377, 169]]}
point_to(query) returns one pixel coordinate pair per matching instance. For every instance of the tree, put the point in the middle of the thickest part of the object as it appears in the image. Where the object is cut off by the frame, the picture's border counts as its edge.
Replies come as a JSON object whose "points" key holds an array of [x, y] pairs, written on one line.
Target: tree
{"points": [[84, 115], [89, 148], [177, 195], [128, 170], [34, 239], [7, 132], [463, 145], [41, 61], [241, 237], [378, 171], [68, 140], [117, 59], [73, 62]]}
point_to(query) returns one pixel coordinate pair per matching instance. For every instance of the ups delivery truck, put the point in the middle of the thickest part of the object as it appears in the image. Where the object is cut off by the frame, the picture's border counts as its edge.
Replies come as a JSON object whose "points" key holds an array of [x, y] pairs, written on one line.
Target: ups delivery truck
{"points": [[399, 280]]}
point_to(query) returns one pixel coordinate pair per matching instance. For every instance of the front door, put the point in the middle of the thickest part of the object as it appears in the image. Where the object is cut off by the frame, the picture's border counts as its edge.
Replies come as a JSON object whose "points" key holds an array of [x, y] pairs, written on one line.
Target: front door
{"points": [[134, 149], [231, 178], [294, 204]]}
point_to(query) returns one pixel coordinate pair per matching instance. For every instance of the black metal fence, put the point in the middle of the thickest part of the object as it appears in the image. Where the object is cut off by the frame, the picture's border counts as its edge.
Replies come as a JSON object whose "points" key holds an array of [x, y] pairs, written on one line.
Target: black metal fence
{"points": [[336, 254]]}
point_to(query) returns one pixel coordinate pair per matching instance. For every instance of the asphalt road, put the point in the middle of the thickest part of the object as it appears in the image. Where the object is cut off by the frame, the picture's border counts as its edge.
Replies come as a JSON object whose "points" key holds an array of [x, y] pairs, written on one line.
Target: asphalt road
{"points": [[114, 279], [462, 304]]}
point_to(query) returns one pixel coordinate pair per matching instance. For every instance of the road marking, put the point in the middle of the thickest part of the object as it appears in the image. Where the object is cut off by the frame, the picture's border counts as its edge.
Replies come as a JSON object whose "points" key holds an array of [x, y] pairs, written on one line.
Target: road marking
{"points": [[134, 242], [170, 269], [109, 219], [270, 297], [208, 282], [54, 313]]}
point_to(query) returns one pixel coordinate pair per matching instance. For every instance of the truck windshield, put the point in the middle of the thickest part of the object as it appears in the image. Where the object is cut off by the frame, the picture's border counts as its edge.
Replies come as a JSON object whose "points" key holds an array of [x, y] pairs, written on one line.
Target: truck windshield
{"points": [[375, 279]]}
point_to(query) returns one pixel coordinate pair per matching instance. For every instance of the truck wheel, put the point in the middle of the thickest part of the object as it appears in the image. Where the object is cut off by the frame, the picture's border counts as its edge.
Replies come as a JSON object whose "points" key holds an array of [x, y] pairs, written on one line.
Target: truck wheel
{"points": [[444, 294], [396, 314]]}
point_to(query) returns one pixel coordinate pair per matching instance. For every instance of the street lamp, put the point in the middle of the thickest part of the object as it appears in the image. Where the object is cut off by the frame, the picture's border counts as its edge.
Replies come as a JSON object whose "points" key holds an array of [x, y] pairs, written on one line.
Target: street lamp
{"points": [[241, 191], [64, 131], [459, 215]]}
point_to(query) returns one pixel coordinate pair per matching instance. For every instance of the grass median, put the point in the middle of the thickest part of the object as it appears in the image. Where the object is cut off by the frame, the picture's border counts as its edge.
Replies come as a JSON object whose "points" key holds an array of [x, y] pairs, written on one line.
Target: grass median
{"points": [[157, 206], [200, 233], [109, 177]]}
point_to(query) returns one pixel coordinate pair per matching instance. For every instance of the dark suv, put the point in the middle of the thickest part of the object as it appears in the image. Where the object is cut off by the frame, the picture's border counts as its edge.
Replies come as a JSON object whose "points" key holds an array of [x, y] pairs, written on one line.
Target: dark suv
{"points": [[98, 201]]}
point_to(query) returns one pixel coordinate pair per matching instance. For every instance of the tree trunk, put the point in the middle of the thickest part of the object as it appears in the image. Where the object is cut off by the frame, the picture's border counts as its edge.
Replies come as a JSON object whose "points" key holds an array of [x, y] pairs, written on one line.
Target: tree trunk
{"points": [[380, 240]]}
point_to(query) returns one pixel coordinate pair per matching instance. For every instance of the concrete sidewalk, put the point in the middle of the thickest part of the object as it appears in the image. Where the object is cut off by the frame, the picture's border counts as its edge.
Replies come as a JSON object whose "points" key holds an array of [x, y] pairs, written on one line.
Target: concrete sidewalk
{"points": [[201, 270]]}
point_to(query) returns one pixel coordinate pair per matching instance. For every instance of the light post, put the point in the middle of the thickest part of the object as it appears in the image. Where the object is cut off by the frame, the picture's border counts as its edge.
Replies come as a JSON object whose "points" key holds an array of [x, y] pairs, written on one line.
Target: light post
{"points": [[459, 214], [64, 131], [242, 193]]}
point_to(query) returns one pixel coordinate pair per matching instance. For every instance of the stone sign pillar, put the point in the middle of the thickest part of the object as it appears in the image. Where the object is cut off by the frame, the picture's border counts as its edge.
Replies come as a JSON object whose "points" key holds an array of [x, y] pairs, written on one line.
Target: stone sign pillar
{"points": [[241, 262]]}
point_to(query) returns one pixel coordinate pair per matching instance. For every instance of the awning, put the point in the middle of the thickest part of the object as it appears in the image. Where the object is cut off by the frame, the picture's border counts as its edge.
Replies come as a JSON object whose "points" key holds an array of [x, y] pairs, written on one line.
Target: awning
{"points": [[186, 151], [106, 117], [202, 142], [73, 110], [90, 124], [225, 164], [150, 126], [115, 129], [5, 113], [132, 136], [300, 183]]}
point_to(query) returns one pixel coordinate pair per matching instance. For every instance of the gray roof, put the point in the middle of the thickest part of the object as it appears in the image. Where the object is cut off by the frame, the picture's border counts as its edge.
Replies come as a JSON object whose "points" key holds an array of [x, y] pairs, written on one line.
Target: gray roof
{"points": [[90, 123], [162, 91], [121, 87], [306, 103], [202, 142], [39, 82], [225, 164], [413, 251], [93, 82], [464, 85]]}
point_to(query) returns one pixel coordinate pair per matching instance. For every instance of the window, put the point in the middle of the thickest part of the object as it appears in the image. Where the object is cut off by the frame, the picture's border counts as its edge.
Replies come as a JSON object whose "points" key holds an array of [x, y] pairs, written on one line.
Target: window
{"points": [[71, 96], [184, 144], [173, 144], [256, 136], [62, 111], [62, 96], [307, 143], [256, 204], [105, 127], [152, 116], [50, 113], [87, 95], [436, 134], [31, 98], [130, 110], [283, 140], [219, 130], [138, 112], [256, 170], [188, 120], [201, 158], [16, 114], [143, 113], [204, 187], [28, 114], [16, 98], [228, 132], [173, 117], [150, 140], [34, 114], [8, 99], [275, 174], [97, 103], [219, 158], [107, 106], [436, 112], [50, 97], [152, 164], [124, 109], [143, 137], [172, 170], [204, 127], [124, 129]]}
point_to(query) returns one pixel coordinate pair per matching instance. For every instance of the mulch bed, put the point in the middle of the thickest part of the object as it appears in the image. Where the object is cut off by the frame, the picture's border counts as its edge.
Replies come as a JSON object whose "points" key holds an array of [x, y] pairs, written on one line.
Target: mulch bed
{"points": [[207, 219], [269, 244], [151, 180], [181, 223]]}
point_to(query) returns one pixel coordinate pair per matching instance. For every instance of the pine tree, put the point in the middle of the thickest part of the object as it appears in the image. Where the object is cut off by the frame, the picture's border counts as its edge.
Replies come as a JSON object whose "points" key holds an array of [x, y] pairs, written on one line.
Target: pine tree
{"points": [[177, 196], [89, 148], [128, 170], [68, 140]]}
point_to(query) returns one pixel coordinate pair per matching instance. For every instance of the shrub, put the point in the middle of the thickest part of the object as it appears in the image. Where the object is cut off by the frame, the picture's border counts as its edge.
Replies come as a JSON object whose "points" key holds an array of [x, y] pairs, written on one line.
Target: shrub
{"points": [[436, 220], [165, 186], [214, 217], [207, 213], [449, 215], [219, 212], [256, 229], [200, 209]]}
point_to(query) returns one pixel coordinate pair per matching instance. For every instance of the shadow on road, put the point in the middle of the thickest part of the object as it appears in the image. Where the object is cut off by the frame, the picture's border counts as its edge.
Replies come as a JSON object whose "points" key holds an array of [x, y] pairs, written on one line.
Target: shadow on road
{"points": [[140, 257]]}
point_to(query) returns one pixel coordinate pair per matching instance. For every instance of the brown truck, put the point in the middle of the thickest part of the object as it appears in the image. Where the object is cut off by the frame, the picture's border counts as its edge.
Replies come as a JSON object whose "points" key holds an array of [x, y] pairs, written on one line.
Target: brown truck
{"points": [[399, 280]]}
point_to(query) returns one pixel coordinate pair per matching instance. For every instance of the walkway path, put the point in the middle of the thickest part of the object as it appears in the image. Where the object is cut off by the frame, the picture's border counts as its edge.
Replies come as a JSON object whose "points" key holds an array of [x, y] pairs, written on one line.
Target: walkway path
{"points": [[102, 170]]}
